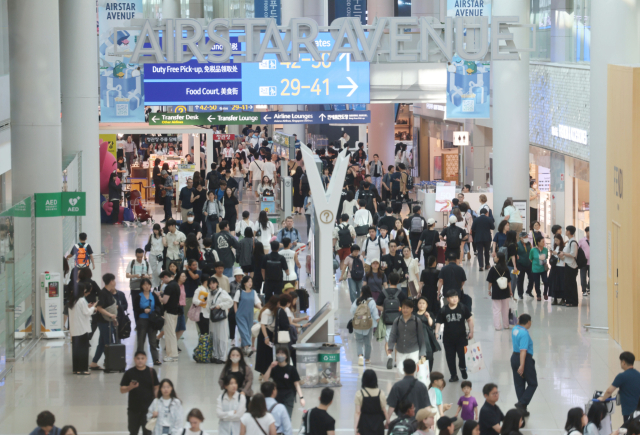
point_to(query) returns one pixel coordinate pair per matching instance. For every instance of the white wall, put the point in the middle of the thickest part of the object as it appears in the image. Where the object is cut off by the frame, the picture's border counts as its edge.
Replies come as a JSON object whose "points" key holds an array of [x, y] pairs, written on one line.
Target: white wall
{"points": [[5, 150]]}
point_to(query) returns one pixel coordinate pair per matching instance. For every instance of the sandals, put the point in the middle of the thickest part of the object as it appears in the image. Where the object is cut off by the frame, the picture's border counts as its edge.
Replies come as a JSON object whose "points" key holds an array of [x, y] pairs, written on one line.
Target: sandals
{"points": [[96, 368]]}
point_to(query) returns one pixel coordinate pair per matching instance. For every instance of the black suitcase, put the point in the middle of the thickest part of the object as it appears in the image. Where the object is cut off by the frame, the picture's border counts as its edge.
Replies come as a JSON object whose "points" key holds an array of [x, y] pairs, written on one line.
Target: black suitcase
{"points": [[114, 356], [303, 298]]}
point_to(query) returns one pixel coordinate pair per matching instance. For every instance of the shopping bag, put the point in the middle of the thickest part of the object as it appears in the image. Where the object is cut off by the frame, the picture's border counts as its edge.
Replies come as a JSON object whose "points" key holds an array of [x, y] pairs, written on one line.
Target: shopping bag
{"points": [[474, 358], [513, 312], [381, 330], [423, 373]]}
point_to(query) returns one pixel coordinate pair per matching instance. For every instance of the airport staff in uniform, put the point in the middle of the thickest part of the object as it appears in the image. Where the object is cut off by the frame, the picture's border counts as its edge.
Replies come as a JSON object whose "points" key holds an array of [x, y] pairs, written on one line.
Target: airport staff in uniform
{"points": [[523, 365]]}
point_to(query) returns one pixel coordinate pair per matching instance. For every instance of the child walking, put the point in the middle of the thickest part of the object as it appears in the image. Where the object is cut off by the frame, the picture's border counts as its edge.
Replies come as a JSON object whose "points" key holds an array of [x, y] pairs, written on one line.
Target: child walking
{"points": [[467, 404]]}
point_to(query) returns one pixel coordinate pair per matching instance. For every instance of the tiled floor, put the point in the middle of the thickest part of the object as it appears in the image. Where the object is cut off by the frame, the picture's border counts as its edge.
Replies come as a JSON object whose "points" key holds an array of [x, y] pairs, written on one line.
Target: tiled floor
{"points": [[571, 364]]}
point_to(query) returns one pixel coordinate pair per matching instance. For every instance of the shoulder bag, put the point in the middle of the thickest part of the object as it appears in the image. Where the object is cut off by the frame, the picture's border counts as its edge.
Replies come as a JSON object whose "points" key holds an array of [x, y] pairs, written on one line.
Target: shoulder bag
{"points": [[283, 336], [151, 424], [503, 281], [217, 314], [258, 423]]}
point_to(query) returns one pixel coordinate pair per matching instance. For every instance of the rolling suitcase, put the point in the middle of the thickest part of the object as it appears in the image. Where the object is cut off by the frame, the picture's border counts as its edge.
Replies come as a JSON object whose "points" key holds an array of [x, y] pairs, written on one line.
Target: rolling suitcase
{"points": [[114, 356]]}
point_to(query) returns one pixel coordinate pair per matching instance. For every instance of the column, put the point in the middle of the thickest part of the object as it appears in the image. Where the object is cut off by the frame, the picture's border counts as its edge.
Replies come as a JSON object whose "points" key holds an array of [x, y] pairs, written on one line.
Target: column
{"points": [[614, 27], [36, 146], [476, 156], [293, 9], [561, 30], [432, 8], [170, 9], [314, 9], [196, 8], [78, 84], [511, 113]]}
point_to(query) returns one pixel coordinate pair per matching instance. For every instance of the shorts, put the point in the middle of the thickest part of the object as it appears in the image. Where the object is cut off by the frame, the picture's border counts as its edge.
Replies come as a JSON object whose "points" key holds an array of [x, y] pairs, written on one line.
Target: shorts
{"points": [[344, 253], [389, 328], [247, 269], [181, 325], [456, 252]]}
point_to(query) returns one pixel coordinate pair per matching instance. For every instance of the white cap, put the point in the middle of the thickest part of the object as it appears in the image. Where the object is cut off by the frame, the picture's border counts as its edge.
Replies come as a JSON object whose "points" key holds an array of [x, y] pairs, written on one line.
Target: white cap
{"points": [[238, 271], [431, 221], [453, 219]]}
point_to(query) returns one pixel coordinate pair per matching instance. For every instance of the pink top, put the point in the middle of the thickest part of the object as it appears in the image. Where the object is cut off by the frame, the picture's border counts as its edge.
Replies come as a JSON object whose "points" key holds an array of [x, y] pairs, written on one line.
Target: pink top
{"points": [[584, 244], [183, 296]]}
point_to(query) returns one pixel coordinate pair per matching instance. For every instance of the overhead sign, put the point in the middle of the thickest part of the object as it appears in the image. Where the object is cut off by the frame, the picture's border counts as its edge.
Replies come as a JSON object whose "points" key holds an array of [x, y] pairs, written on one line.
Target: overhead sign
{"points": [[61, 204], [461, 138], [352, 9], [267, 9], [320, 117], [224, 136], [218, 118], [267, 82], [227, 108]]}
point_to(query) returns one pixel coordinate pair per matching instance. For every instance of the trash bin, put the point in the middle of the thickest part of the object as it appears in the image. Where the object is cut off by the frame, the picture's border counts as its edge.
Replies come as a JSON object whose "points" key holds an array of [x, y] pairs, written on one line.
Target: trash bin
{"points": [[307, 364], [329, 365]]}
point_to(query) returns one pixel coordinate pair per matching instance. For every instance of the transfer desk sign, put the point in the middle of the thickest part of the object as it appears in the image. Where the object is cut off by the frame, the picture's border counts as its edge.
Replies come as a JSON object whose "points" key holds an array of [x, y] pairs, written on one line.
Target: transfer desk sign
{"points": [[219, 118]]}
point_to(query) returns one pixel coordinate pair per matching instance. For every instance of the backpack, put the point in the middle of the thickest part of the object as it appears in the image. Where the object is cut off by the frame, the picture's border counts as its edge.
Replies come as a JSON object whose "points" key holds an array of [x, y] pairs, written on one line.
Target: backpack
{"points": [[362, 317], [344, 237], [416, 224], [208, 260], [490, 214], [503, 281], [402, 427], [82, 259], [202, 352], [274, 270], [581, 258], [390, 306], [409, 181], [367, 195], [357, 269], [453, 237]]}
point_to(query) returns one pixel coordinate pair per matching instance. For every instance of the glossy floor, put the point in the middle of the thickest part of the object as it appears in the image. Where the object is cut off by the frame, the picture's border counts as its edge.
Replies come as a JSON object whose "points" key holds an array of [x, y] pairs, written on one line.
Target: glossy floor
{"points": [[571, 364]]}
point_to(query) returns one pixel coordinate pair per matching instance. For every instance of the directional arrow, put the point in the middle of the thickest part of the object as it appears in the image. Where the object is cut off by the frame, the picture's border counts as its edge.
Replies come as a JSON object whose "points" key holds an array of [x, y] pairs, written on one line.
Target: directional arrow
{"points": [[348, 60], [155, 118], [352, 86], [209, 119], [322, 116], [267, 117]]}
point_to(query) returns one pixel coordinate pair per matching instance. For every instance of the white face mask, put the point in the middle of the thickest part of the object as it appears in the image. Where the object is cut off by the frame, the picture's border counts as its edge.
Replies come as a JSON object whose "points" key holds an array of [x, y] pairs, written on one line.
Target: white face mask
{"points": [[190, 219], [235, 360]]}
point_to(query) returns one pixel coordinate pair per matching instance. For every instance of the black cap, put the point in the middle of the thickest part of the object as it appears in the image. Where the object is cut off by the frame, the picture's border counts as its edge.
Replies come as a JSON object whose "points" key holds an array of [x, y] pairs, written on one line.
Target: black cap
{"points": [[444, 422]]}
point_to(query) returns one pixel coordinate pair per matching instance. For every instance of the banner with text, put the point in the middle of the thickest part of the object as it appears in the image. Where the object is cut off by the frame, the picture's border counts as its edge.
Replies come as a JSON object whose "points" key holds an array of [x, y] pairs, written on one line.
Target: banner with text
{"points": [[352, 9], [268, 9], [121, 82]]}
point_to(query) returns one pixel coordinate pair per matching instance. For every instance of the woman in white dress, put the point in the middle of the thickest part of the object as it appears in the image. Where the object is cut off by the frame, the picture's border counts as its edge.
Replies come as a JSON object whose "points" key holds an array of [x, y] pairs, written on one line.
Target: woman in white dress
{"points": [[264, 230], [167, 409], [413, 266], [218, 327], [157, 248], [231, 407]]}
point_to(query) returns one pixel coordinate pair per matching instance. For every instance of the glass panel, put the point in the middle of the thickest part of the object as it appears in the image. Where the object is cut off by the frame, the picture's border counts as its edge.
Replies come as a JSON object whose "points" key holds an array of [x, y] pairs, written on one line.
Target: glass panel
{"points": [[228, 9], [540, 14]]}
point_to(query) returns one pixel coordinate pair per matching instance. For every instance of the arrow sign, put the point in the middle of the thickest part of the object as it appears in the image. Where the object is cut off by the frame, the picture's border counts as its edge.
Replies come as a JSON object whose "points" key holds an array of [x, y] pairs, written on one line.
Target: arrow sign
{"points": [[317, 117], [154, 119], [352, 86], [322, 116], [219, 118], [209, 119], [266, 117]]}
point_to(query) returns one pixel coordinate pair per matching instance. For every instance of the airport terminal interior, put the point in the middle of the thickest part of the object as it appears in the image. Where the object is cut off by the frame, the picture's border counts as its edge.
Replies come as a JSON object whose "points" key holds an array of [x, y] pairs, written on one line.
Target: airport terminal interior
{"points": [[319, 217]]}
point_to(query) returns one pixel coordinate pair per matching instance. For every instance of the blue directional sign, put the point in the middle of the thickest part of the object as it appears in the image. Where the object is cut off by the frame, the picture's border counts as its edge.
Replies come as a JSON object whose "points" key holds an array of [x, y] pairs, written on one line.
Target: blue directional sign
{"points": [[223, 108], [266, 82], [320, 117]]}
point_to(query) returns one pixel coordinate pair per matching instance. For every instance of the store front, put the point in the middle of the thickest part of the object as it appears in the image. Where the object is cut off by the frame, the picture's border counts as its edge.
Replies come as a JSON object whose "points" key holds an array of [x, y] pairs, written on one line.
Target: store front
{"points": [[439, 158]]}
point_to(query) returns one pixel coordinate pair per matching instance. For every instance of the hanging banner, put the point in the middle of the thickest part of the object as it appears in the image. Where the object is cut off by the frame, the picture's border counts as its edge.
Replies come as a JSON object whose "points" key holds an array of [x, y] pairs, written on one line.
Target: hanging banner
{"points": [[352, 9], [121, 82], [468, 82], [111, 139], [267, 9]]}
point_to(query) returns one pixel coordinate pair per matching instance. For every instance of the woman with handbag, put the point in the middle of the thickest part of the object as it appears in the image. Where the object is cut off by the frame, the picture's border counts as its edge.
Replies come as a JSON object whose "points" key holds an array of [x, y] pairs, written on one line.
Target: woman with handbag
{"points": [[199, 303], [264, 353], [539, 266], [257, 420], [80, 312], [557, 270], [218, 304], [236, 367], [413, 267], [429, 327], [165, 414], [155, 248], [244, 302], [231, 406], [286, 378], [500, 292], [143, 307]]}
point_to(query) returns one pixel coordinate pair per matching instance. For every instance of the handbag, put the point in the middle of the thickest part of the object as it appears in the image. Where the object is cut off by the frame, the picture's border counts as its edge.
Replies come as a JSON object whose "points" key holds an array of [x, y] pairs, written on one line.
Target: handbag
{"points": [[147, 247], [283, 336], [151, 424], [156, 320], [553, 260], [217, 314], [194, 313]]}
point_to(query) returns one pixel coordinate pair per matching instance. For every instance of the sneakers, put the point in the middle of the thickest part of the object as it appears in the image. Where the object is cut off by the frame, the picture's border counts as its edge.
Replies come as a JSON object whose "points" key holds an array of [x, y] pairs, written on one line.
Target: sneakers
{"points": [[464, 374], [169, 359], [360, 360], [454, 378], [389, 362], [481, 269]]}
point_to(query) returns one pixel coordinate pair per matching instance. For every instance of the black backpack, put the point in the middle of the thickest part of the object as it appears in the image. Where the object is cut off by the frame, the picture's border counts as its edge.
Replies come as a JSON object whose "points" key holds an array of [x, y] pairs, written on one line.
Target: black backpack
{"points": [[402, 427], [208, 260], [344, 236], [453, 237], [409, 181], [274, 270], [581, 258], [390, 306], [357, 269], [367, 195]]}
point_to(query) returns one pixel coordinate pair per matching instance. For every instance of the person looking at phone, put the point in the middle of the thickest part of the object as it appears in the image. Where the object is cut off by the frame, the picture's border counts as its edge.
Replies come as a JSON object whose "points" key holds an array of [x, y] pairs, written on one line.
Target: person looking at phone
{"points": [[141, 382]]}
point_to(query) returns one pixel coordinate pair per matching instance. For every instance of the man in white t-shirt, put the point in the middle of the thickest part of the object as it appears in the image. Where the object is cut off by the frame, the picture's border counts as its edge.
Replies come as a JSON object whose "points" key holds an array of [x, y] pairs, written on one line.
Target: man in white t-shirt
{"points": [[269, 169], [227, 153], [362, 218], [373, 248], [256, 168], [292, 261]]}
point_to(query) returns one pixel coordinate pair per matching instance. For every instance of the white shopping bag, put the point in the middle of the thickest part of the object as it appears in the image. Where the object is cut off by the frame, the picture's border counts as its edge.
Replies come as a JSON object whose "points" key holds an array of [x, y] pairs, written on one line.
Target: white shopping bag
{"points": [[423, 373], [513, 312], [474, 358]]}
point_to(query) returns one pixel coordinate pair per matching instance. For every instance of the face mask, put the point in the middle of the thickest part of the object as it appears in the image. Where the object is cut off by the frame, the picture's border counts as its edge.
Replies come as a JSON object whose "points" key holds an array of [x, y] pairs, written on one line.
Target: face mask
{"points": [[235, 360], [281, 358], [190, 219]]}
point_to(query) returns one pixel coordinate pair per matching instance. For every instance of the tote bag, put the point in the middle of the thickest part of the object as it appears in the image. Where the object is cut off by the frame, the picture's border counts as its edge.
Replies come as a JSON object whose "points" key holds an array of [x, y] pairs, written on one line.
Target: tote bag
{"points": [[474, 358]]}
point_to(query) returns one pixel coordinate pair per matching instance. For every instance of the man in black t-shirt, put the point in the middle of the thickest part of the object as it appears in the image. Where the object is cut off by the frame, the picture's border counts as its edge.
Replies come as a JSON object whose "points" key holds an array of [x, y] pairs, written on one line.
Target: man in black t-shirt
{"points": [[453, 316], [141, 382], [320, 422], [107, 309], [453, 277], [273, 266], [170, 298], [388, 220], [490, 414], [454, 236], [393, 262]]}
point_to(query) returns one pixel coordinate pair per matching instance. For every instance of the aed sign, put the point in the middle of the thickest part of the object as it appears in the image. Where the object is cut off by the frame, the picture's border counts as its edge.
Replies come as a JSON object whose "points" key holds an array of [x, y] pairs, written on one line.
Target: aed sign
{"points": [[61, 204], [74, 203]]}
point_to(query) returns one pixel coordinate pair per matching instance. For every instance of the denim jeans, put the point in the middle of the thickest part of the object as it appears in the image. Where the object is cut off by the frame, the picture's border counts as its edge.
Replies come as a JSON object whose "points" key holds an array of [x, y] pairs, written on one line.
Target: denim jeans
{"points": [[107, 331], [354, 289], [211, 226], [363, 343], [377, 181], [228, 272], [514, 280]]}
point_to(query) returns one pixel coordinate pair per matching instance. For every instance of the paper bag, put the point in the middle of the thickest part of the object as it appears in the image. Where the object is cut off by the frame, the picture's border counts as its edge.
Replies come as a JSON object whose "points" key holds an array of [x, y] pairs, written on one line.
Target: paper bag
{"points": [[474, 358], [423, 373]]}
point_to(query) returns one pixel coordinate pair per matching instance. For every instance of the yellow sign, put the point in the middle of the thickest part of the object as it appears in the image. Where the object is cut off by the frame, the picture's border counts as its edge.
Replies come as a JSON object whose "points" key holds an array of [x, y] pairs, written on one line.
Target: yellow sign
{"points": [[111, 140]]}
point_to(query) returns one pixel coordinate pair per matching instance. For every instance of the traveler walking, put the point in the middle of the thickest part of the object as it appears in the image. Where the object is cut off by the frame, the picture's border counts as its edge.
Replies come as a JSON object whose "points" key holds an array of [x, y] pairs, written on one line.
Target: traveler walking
{"points": [[376, 279], [454, 236], [83, 253], [534, 200], [143, 307], [277, 410], [375, 248], [490, 414], [481, 233], [267, 320], [512, 215], [452, 277], [500, 291], [427, 241], [293, 264], [155, 247], [570, 254], [538, 257], [371, 403], [272, 269], [576, 421], [213, 213], [46, 425], [246, 251], [288, 232], [140, 382], [454, 315], [218, 304], [191, 226], [167, 409], [136, 271], [413, 270], [200, 299], [362, 222], [257, 420], [115, 195], [408, 334], [353, 272], [408, 389], [428, 326], [524, 266], [376, 169], [365, 316], [243, 224], [223, 242], [585, 276], [167, 188], [557, 270], [171, 301], [429, 278], [389, 303], [264, 230], [499, 239], [230, 204], [286, 378], [130, 151], [80, 312], [467, 404], [173, 241], [185, 199], [236, 367], [628, 384], [231, 407], [320, 422], [343, 237], [244, 301], [108, 309], [523, 365]]}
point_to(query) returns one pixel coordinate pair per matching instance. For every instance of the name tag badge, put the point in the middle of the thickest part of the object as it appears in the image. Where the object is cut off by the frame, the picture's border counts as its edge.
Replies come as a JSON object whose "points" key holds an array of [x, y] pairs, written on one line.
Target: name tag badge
{"points": [[286, 376]]}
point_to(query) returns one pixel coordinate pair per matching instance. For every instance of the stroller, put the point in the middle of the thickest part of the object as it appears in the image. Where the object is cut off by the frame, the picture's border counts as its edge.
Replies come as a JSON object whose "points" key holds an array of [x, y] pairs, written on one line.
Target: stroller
{"points": [[138, 211], [610, 403]]}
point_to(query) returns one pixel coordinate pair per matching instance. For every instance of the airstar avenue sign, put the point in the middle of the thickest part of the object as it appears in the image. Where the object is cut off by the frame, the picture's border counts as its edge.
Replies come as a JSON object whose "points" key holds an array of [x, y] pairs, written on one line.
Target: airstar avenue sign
{"points": [[401, 40]]}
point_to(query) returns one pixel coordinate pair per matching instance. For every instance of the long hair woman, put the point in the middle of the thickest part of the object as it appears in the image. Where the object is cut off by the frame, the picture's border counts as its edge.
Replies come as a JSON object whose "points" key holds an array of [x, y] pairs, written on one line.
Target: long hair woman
{"points": [[115, 193], [80, 312], [371, 401], [236, 367], [156, 254], [257, 420], [512, 253], [363, 336], [512, 423], [264, 230], [500, 291], [557, 271], [264, 356], [167, 408], [144, 305]]}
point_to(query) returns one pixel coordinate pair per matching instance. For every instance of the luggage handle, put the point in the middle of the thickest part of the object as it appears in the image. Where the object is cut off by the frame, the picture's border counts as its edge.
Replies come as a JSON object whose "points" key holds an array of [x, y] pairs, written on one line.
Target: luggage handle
{"points": [[116, 330]]}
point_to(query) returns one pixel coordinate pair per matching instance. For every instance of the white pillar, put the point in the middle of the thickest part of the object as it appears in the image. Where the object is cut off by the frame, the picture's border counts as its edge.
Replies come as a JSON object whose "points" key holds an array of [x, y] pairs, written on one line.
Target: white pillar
{"points": [[314, 9], [196, 8], [79, 81], [36, 148], [433, 8], [293, 9], [362, 134], [381, 133], [614, 27], [170, 9], [562, 23], [511, 113]]}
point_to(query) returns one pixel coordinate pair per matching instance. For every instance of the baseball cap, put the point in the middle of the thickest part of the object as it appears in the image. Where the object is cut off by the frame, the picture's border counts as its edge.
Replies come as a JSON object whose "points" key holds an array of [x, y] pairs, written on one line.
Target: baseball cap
{"points": [[431, 221], [444, 422], [190, 213], [453, 219], [425, 413]]}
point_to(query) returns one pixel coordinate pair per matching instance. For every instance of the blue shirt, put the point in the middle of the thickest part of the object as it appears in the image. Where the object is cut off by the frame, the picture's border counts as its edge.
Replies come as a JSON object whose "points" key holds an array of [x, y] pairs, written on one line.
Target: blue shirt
{"points": [[522, 340], [629, 384], [280, 415], [291, 234], [146, 303]]}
